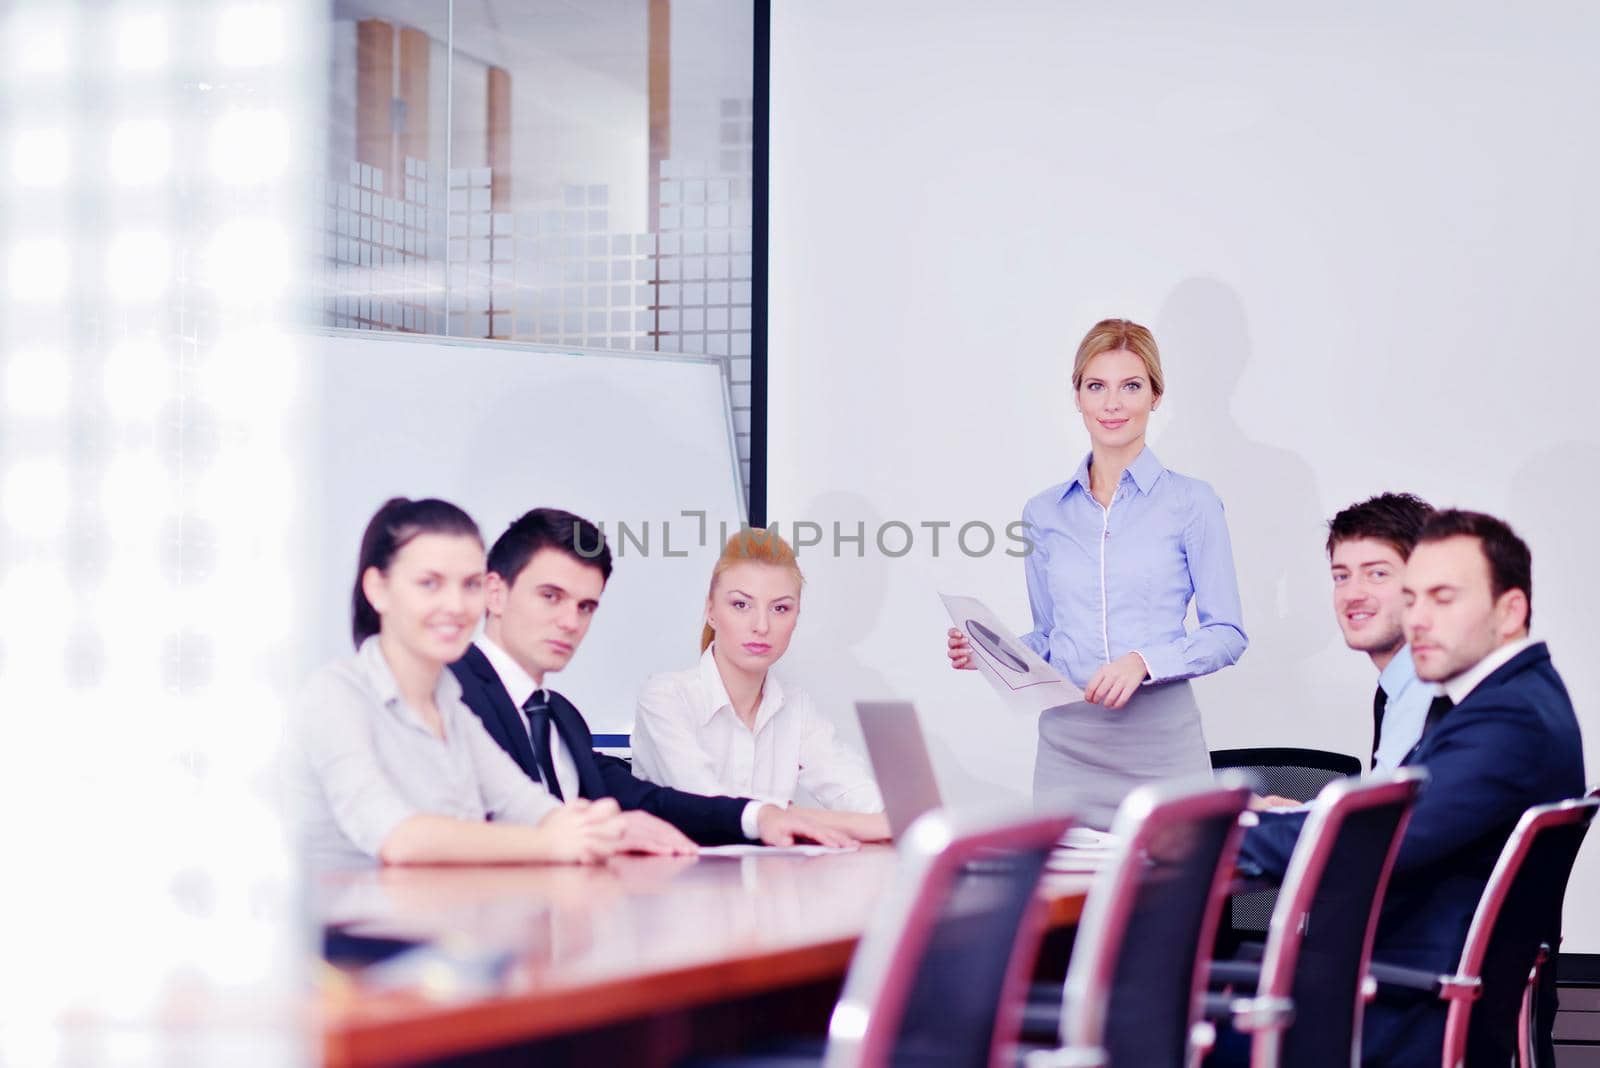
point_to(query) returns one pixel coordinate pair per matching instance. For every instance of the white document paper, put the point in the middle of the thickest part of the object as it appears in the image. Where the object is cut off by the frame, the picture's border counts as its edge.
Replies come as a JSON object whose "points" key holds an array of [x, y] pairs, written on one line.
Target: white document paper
{"points": [[770, 851], [1019, 675]]}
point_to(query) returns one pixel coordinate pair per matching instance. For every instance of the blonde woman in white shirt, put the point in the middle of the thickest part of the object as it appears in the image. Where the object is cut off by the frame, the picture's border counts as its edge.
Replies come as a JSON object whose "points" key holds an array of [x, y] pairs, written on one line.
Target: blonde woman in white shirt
{"points": [[728, 726]]}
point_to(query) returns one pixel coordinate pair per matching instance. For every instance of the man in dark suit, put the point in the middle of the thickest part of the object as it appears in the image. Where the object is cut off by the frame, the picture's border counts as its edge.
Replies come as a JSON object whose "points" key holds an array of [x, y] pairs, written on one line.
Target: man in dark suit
{"points": [[1501, 736], [545, 577]]}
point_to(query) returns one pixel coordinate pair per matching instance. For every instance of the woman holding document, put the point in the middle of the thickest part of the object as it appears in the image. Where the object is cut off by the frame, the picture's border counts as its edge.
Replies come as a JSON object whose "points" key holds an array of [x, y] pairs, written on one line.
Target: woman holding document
{"points": [[1118, 551]]}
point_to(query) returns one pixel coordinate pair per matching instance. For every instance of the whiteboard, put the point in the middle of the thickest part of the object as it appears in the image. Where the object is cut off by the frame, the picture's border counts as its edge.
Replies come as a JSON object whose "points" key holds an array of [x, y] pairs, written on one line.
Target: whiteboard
{"points": [[499, 428]]}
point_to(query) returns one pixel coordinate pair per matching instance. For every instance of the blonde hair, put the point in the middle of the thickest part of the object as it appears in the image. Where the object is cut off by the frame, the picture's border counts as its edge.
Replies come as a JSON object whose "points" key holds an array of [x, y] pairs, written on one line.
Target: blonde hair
{"points": [[1110, 335], [750, 545]]}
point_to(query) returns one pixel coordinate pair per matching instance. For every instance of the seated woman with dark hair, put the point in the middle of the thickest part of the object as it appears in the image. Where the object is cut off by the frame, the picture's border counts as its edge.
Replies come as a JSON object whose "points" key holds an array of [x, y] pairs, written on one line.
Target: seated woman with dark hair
{"points": [[386, 762]]}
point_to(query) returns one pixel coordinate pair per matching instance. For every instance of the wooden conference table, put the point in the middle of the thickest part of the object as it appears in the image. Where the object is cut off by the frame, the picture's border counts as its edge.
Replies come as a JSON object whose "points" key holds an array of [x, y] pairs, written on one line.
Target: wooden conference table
{"points": [[637, 951]]}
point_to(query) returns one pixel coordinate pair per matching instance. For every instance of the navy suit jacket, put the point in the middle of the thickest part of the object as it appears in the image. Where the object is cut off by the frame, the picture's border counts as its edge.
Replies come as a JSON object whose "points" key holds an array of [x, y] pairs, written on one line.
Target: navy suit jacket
{"points": [[1512, 743], [708, 820]]}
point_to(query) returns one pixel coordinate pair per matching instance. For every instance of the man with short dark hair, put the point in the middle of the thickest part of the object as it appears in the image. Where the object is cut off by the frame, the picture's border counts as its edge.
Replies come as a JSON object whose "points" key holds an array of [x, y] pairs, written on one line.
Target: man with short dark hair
{"points": [[1501, 737], [1368, 545], [545, 577]]}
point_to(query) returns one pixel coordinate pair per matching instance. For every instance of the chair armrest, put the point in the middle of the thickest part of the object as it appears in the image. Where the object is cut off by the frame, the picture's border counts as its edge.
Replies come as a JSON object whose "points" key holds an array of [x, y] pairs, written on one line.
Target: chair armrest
{"points": [[1262, 1014], [1217, 1007], [1403, 978], [1041, 1013], [1393, 977], [1234, 973], [1250, 950], [1066, 1058], [1445, 987]]}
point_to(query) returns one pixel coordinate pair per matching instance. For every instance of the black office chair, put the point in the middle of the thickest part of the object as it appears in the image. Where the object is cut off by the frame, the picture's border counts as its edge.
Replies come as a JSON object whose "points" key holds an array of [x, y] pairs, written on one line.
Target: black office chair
{"points": [[938, 978], [1136, 982], [1301, 1003], [1299, 774], [1535, 1043], [1519, 907]]}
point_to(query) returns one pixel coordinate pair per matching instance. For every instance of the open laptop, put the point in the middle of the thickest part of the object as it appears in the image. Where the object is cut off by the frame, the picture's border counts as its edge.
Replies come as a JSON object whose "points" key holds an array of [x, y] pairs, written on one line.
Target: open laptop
{"points": [[899, 756]]}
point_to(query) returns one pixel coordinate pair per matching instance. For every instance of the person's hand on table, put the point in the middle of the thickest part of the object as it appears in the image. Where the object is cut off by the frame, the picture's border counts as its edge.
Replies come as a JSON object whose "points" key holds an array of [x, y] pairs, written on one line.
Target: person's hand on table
{"points": [[862, 826], [583, 832], [960, 651], [644, 833], [785, 827], [1272, 801], [1114, 683]]}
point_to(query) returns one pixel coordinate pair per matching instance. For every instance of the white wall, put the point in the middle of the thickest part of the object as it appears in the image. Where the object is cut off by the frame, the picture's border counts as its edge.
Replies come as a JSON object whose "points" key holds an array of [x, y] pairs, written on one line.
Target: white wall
{"points": [[1366, 239]]}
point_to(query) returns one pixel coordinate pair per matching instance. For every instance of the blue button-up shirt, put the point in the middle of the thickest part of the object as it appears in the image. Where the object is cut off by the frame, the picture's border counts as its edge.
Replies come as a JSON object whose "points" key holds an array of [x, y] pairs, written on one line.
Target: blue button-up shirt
{"points": [[1104, 582], [1405, 711]]}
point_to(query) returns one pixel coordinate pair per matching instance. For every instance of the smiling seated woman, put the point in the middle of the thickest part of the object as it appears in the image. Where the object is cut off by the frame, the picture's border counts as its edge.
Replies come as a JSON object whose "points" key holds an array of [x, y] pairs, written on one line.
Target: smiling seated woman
{"points": [[728, 726]]}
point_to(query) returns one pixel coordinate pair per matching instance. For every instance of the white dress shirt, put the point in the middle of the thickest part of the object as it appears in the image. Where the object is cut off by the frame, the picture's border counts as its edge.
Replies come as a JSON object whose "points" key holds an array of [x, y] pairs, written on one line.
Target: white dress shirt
{"points": [[687, 735], [1463, 684], [520, 685]]}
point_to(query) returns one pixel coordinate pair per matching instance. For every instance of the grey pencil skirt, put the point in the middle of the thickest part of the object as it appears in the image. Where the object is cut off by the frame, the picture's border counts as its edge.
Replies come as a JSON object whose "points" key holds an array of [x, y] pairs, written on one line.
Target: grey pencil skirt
{"points": [[1090, 756]]}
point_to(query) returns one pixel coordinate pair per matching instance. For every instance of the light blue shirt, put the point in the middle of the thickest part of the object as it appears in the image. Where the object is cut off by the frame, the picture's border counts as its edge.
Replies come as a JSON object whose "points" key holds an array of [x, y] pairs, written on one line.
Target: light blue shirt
{"points": [[1405, 712], [1104, 582]]}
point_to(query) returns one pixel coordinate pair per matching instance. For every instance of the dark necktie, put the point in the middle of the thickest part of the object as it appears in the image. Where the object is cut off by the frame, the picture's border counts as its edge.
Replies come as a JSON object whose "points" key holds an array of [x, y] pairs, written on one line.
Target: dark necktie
{"points": [[1380, 701], [1436, 711], [537, 708]]}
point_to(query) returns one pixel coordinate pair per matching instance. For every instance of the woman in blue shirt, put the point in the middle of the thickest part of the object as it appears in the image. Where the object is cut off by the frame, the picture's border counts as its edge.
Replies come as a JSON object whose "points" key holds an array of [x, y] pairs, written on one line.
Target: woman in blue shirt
{"points": [[1118, 552]]}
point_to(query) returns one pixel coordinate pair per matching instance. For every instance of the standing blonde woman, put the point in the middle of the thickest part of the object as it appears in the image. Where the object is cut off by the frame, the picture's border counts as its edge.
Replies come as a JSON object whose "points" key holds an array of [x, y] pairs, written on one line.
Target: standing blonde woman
{"points": [[1119, 551], [728, 726]]}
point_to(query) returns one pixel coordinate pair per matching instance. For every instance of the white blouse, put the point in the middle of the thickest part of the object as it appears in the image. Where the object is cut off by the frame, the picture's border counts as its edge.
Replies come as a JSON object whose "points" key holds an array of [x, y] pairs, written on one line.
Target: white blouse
{"points": [[686, 735]]}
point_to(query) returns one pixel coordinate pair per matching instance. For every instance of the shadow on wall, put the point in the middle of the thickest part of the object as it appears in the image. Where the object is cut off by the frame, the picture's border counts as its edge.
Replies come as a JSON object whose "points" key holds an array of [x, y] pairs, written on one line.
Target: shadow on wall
{"points": [[1273, 509], [1566, 588], [839, 608], [842, 605], [842, 600], [1566, 584]]}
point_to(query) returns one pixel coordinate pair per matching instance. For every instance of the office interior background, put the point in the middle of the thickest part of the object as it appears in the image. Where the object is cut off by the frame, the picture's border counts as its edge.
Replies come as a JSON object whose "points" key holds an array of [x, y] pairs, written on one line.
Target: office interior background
{"points": [[1365, 239]]}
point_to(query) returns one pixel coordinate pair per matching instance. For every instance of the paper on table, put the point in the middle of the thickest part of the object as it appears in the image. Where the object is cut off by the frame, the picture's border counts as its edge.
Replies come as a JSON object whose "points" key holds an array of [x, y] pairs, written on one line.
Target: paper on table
{"points": [[1019, 675], [1082, 849], [1088, 838], [771, 851], [1082, 860]]}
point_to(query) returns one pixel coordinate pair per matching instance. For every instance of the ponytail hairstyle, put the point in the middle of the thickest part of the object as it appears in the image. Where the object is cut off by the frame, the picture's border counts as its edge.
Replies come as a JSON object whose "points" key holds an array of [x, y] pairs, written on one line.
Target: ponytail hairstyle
{"points": [[750, 545], [391, 529]]}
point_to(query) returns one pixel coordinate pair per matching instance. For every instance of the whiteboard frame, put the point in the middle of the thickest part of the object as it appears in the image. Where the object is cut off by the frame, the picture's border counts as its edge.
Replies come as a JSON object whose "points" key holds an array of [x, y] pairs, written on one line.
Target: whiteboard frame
{"points": [[723, 364]]}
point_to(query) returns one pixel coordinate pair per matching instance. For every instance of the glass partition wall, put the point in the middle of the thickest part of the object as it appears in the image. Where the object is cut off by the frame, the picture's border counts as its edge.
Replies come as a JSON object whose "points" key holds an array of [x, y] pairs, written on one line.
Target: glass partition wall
{"points": [[567, 173]]}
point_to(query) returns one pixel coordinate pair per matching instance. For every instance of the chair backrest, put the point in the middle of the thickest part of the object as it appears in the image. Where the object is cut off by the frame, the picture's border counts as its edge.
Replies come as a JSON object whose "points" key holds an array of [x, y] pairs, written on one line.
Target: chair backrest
{"points": [[1520, 908], [1135, 984], [949, 945], [1320, 939], [1288, 772]]}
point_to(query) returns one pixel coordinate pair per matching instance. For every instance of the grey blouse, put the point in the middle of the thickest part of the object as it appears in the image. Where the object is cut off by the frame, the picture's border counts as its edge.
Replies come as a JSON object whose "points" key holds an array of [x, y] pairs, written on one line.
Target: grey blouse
{"points": [[360, 762]]}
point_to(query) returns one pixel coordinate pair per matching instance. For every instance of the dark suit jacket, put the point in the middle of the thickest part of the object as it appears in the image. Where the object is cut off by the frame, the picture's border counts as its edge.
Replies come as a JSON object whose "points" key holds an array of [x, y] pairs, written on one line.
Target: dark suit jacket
{"points": [[708, 820], [1511, 744]]}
